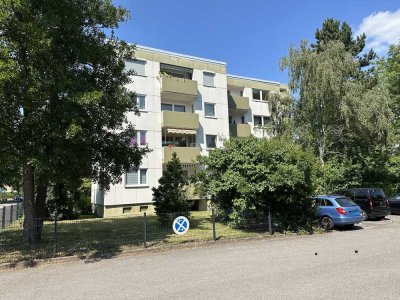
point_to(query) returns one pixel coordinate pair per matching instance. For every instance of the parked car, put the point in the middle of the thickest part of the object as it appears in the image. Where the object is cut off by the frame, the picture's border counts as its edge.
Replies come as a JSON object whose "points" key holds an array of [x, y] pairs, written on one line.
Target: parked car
{"points": [[371, 200], [337, 210], [394, 203]]}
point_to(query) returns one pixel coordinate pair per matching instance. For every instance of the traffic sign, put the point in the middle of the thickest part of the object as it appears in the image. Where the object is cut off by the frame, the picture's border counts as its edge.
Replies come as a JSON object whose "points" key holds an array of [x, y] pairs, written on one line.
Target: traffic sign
{"points": [[180, 225]]}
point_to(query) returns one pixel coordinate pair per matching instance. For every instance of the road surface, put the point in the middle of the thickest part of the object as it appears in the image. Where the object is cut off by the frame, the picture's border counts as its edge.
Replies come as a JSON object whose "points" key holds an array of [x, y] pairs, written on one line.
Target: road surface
{"points": [[267, 269]]}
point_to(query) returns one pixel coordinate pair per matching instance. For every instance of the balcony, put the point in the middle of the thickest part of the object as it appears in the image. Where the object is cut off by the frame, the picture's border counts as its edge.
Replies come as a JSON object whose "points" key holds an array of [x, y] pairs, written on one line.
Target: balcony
{"points": [[185, 154], [183, 120], [238, 103], [239, 130], [179, 89]]}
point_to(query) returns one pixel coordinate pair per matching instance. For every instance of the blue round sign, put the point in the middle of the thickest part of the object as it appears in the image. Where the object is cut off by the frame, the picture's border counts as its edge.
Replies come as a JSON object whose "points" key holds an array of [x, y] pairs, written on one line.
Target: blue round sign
{"points": [[180, 225]]}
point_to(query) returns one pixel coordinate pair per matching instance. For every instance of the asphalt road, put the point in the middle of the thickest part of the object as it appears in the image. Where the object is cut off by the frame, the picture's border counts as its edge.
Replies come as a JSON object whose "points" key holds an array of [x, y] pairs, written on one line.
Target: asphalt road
{"points": [[268, 269]]}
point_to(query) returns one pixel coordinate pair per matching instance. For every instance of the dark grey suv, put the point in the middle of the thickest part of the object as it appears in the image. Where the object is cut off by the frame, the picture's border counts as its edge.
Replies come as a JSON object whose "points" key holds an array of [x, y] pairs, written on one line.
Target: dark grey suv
{"points": [[371, 200]]}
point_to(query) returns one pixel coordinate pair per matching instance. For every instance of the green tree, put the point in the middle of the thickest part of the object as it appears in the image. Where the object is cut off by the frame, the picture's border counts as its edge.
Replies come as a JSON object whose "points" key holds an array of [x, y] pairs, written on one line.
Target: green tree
{"points": [[254, 176], [62, 97], [170, 196], [391, 75], [334, 30], [281, 109], [336, 113]]}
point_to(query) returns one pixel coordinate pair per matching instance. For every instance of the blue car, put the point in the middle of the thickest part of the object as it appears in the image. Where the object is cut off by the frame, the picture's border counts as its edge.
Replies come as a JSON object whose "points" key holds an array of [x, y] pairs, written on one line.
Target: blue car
{"points": [[336, 210]]}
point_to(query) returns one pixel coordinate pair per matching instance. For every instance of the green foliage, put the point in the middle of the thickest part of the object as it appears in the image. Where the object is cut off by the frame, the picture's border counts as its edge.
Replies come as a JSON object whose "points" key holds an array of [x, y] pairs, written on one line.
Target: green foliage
{"points": [[281, 109], [63, 101], [337, 114], [334, 30], [70, 203], [249, 177], [170, 196]]}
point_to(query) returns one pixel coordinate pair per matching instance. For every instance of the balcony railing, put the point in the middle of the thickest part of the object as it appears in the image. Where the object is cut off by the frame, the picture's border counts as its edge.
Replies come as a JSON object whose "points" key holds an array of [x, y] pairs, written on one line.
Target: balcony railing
{"points": [[185, 154], [240, 130], [238, 103], [183, 120], [179, 89]]}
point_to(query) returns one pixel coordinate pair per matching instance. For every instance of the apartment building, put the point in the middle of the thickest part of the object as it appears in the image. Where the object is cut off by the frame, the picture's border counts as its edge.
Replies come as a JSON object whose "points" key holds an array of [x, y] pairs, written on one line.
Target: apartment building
{"points": [[188, 105]]}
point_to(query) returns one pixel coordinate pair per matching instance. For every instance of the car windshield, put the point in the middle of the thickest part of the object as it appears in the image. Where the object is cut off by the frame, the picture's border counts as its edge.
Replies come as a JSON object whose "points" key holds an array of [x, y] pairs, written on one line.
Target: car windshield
{"points": [[344, 202]]}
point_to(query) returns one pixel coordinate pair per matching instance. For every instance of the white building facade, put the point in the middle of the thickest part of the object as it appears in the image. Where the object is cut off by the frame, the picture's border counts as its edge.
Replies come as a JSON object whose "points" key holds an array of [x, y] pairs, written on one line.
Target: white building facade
{"points": [[187, 105]]}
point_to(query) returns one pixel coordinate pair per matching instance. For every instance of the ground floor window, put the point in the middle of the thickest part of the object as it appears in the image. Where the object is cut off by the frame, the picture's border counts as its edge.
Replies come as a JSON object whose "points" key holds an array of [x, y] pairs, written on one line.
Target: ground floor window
{"points": [[211, 141], [136, 177]]}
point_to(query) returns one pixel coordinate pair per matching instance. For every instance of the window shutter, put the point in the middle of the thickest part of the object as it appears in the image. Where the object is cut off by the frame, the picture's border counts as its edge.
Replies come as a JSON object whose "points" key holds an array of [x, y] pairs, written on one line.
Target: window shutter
{"points": [[208, 79], [143, 176], [138, 66], [132, 177]]}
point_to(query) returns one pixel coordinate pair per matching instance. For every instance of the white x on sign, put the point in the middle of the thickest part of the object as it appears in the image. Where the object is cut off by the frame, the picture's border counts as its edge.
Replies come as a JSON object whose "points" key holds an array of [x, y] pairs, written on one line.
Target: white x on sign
{"points": [[180, 225]]}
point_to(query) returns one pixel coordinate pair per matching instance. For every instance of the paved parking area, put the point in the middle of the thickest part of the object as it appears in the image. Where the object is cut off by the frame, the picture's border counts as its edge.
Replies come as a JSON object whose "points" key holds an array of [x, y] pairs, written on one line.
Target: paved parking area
{"points": [[344, 264]]}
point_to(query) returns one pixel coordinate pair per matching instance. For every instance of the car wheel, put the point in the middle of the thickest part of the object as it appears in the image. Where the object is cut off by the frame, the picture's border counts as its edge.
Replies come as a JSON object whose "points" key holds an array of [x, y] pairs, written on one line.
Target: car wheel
{"points": [[327, 223], [365, 215]]}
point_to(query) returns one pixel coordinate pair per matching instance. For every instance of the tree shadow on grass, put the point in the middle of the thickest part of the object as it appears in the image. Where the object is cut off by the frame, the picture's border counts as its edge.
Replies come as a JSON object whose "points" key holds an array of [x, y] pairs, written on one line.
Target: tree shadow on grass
{"points": [[92, 240]]}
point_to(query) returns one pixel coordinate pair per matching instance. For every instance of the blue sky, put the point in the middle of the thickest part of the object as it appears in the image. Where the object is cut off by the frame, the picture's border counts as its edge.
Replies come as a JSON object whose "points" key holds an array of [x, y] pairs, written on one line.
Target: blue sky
{"points": [[252, 36]]}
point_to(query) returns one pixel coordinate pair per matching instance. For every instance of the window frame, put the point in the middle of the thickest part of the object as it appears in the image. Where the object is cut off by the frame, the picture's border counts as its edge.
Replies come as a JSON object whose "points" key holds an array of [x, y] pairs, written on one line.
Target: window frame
{"points": [[138, 96], [213, 105], [215, 141], [144, 62], [262, 117], [210, 74], [139, 178], [260, 93], [138, 138], [173, 105]]}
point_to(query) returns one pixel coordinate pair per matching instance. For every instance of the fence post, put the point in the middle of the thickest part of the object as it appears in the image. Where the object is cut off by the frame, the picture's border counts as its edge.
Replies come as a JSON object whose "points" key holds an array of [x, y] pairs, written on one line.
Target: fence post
{"points": [[270, 222], [213, 224], [55, 235], [3, 222], [11, 214], [145, 229]]}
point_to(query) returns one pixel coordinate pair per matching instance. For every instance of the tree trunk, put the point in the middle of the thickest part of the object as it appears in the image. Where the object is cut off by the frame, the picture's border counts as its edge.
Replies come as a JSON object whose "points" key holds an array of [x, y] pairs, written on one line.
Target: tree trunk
{"points": [[30, 233]]}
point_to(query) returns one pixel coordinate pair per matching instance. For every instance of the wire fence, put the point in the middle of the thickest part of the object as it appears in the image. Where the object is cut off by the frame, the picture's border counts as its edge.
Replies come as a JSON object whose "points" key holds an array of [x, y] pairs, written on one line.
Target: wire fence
{"points": [[95, 237], [9, 213]]}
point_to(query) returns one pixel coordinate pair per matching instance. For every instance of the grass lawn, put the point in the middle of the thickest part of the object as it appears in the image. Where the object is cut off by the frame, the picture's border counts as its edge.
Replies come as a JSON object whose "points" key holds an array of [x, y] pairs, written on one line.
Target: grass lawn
{"points": [[94, 236]]}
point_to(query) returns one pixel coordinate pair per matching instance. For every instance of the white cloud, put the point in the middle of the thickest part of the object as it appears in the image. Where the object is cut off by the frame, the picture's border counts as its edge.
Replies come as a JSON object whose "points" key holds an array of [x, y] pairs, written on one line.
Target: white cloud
{"points": [[382, 28]]}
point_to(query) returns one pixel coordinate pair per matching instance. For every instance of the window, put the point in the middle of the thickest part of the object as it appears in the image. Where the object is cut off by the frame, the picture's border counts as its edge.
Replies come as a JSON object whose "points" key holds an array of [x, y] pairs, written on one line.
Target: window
{"points": [[208, 79], [139, 139], [209, 110], [180, 141], [266, 120], [136, 177], [211, 141], [167, 107], [179, 108], [242, 119], [261, 121], [172, 107], [126, 210], [361, 195], [143, 208], [257, 121], [260, 94], [141, 101], [138, 66], [176, 71], [328, 202]]}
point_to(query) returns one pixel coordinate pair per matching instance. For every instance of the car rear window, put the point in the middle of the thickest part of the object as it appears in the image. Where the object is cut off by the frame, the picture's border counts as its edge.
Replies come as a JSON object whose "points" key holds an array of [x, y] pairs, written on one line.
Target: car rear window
{"points": [[345, 202], [377, 195]]}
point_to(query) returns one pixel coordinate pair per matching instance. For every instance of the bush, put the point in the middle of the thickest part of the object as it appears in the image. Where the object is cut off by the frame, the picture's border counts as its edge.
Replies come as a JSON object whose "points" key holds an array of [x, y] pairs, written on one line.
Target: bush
{"points": [[253, 176]]}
